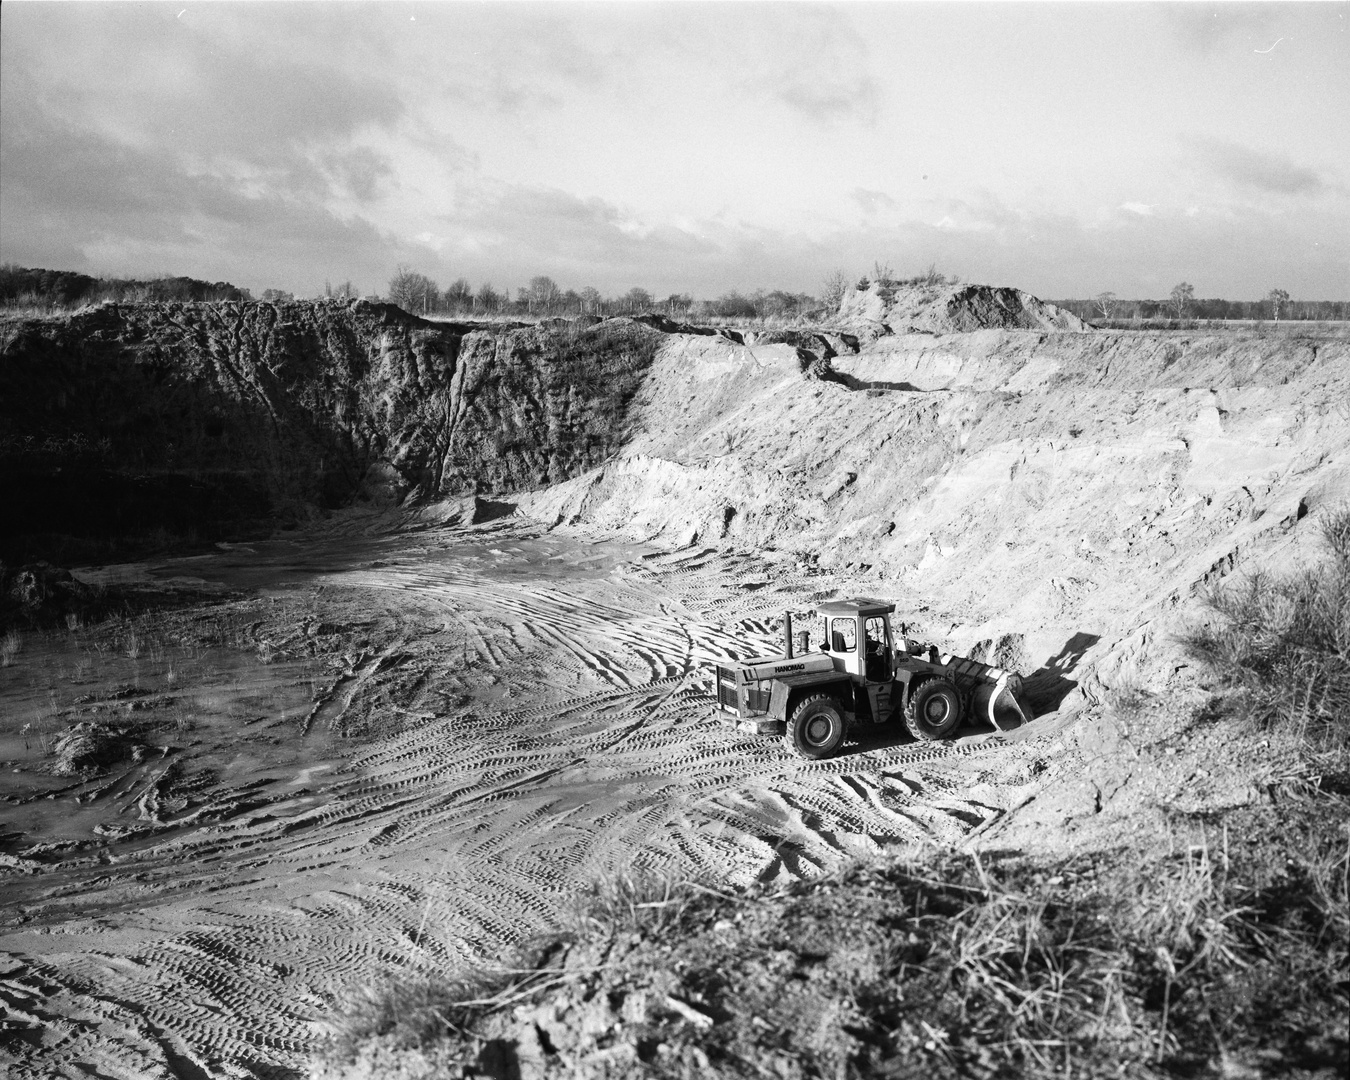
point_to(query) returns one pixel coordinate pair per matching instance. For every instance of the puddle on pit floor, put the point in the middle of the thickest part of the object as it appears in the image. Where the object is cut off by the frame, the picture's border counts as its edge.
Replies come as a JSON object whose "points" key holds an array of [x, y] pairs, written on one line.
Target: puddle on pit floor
{"points": [[205, 731], [185, 734], [281, 565]]}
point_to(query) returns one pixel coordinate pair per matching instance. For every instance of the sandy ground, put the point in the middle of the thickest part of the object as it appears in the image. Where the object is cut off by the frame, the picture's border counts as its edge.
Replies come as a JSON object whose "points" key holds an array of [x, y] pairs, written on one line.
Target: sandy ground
{"points": [[505, 716]]}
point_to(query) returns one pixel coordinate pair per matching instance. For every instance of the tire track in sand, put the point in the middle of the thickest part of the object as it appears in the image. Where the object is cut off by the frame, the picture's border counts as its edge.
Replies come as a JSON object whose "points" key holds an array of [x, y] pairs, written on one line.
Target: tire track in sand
{"points": [[587, 748]]}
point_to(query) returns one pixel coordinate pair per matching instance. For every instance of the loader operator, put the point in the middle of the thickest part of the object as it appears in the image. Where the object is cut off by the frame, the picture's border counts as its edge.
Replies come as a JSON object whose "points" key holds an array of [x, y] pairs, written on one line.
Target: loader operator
{"points": [[876, 658]]}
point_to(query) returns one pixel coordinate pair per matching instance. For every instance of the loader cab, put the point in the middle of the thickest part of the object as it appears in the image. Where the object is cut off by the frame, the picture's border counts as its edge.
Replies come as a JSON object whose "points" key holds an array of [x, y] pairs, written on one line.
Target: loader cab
{"points": [[857, 636]]}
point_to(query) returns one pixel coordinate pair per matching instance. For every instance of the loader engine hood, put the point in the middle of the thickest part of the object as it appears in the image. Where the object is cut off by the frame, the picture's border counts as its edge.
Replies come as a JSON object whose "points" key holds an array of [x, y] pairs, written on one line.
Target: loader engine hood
{"points": [[777, 667]]}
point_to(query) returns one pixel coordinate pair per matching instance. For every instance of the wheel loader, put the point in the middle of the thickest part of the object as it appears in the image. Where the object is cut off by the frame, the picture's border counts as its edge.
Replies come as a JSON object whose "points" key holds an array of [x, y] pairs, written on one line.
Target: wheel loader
{"points": [[862, 674]]}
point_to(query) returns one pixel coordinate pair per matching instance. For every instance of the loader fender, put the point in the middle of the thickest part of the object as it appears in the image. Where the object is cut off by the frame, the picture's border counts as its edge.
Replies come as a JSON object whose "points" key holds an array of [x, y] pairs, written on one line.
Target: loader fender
{"points": [[910, 681], [787, 692]]}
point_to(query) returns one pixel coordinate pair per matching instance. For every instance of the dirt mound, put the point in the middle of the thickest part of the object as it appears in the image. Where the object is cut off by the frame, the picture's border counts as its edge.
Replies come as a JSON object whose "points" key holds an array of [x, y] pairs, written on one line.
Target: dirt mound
{"points": [[89, 748], [40, 593], [983, 307], [559, 322], [211, 421], [882, 308], [667, 325]]}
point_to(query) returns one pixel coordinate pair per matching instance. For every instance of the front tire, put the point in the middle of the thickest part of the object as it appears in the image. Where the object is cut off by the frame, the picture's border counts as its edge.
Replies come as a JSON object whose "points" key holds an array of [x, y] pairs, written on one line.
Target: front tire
{"points": [[934, 710], [817, 727]]}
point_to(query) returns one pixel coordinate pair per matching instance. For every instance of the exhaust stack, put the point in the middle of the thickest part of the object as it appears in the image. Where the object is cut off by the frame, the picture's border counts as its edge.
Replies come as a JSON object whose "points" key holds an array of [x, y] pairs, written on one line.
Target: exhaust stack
{"points": [[787, 634]]}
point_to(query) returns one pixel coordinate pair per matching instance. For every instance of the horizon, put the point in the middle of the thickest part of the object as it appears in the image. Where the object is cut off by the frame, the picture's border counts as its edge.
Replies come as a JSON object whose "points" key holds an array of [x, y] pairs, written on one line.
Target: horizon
{"points": [[1066, 150], [657, 301]]}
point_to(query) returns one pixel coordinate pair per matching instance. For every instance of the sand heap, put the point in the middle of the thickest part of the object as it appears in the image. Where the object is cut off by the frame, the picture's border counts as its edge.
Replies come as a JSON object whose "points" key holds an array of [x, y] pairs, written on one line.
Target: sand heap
{"points": [[881, 308]]}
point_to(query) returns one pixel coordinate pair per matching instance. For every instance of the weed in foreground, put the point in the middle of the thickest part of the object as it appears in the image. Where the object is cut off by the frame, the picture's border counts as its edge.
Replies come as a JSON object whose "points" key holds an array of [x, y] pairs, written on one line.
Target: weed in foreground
{"points": [[641, 903], [10, 646], [410, 1012]]}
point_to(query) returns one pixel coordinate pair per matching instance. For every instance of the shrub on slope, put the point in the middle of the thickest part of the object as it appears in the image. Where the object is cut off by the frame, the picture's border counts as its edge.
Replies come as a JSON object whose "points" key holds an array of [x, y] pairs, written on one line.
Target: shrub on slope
{"points": [[1280, 648]]}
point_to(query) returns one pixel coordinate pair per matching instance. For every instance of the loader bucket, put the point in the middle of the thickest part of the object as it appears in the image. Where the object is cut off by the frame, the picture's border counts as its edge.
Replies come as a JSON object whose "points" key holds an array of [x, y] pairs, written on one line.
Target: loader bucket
{"points": [[1008, 706]]}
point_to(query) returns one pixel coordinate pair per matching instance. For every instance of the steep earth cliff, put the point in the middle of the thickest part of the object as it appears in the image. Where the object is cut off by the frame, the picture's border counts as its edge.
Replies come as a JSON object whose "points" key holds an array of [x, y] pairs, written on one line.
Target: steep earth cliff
{"points": [[197, 417]]}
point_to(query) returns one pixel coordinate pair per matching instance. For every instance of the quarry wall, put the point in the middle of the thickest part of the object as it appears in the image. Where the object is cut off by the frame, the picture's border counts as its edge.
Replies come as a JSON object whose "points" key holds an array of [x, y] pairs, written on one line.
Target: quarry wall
{"points": [[201, 416], [1036, 487]]}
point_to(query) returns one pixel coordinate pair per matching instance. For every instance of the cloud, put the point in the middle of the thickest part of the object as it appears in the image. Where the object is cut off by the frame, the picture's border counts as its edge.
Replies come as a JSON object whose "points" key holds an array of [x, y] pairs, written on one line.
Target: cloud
{"points": [[210, 95], [580, 241], [872, 201], [811, 61], [360, 171], [1256, 170], [834, 97], [1056, 255], [293, 142], [515, 60], [512, 230], [1212, 27], [108, 207]]}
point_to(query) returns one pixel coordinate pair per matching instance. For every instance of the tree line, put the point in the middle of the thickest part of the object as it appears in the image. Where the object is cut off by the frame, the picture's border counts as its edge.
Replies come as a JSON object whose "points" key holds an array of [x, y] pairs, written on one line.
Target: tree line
{"points": [[412, 291], [1182, 303], [417, 293], [543, 297], [21, 285]]}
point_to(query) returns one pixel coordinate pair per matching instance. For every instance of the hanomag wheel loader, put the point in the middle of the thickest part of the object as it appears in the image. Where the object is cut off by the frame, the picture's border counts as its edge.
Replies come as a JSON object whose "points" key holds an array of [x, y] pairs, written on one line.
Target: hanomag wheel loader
{"points": [[862, 674]]}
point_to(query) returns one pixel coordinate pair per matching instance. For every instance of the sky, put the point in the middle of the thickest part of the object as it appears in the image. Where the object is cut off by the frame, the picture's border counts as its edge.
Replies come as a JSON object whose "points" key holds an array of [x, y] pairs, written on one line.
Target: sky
{"points": [[1067, 149]]}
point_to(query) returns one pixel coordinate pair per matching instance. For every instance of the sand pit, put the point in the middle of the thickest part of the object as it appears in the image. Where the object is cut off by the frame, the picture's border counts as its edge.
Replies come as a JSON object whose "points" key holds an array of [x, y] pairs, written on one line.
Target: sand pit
{"points": [[411, 738], [526, 713]]}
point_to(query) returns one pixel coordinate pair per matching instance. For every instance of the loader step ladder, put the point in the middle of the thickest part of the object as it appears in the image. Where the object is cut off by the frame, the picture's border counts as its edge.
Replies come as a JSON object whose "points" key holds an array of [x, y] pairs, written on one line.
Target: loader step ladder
{"points": [[879, 697]]}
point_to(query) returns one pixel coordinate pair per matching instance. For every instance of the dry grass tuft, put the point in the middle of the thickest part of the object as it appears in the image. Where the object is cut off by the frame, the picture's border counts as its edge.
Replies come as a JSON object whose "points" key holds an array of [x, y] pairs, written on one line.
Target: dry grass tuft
{"points": [[632, 903], [410, 1011], [10, 646]]}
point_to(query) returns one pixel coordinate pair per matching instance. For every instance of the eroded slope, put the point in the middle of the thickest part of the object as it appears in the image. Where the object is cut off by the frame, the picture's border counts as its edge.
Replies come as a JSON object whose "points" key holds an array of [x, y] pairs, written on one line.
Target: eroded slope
{"points": [[1043, 491]]}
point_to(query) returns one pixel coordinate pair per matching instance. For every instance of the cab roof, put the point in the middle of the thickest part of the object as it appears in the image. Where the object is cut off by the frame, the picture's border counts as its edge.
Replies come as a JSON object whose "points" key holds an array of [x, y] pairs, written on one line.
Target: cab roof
{"points": [[858, 605]]}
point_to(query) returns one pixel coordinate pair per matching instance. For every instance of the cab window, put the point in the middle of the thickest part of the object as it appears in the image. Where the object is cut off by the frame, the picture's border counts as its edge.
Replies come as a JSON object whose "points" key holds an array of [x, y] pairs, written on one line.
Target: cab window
{"points": [[843, 635], [875, 630]]}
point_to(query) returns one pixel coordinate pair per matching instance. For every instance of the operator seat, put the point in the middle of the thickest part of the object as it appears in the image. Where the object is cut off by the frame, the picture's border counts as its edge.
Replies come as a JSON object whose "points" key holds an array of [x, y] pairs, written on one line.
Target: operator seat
{"points": [[877, 665]]}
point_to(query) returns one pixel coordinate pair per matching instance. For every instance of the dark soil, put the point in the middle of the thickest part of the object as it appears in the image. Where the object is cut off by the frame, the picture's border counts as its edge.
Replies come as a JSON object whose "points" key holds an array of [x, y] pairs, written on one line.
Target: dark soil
{"points": [[203, 422]]}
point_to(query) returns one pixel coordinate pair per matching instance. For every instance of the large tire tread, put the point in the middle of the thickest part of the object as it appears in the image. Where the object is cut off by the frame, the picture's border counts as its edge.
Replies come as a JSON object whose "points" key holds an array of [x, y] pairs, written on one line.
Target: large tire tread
{"points": [[805, 733], [934, 710]]}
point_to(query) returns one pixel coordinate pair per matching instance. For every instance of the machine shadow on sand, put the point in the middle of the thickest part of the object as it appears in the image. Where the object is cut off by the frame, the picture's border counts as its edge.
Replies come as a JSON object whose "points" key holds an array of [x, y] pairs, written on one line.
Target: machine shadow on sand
{"points": [[1049, 685]]}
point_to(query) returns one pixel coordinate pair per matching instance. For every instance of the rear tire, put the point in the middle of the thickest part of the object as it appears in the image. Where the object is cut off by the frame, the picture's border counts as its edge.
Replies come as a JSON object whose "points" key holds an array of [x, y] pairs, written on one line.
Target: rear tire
{"points": [[934, 710], [817, 727]]}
